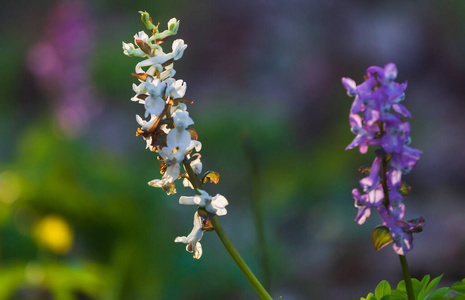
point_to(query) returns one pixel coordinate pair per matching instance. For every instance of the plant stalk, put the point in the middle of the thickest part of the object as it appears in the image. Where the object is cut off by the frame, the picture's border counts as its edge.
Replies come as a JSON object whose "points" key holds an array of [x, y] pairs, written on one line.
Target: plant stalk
{"points": [[407, 279], [403, 259], [258, 287]]}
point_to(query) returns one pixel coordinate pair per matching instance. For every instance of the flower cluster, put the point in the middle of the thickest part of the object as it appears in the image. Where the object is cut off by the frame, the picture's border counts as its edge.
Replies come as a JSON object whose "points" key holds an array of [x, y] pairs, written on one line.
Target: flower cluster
{"points": [[375, 124], [166, 127]]}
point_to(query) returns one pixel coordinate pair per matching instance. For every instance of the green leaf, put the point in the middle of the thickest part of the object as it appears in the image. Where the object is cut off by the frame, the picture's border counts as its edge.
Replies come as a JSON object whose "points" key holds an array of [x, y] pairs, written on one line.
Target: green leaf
{"points": [[380, 237], [431, 286], [370, 296], [423, 283], [401, 287], [416, 285], [280, 298], [459, 297], [382, 289], [397, 295], [459, 288], [437, 294]]}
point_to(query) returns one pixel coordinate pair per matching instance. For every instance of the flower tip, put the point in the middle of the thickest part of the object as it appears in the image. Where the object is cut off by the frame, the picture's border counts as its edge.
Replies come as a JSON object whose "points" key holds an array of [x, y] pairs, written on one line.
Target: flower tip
{"points": [[173, 25], [180, 239], [390, 71], [350, 86]]}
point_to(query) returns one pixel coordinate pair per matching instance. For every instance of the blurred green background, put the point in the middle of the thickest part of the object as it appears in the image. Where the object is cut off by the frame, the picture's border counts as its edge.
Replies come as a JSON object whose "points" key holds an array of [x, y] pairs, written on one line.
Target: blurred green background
{"points": [[77, 218]]}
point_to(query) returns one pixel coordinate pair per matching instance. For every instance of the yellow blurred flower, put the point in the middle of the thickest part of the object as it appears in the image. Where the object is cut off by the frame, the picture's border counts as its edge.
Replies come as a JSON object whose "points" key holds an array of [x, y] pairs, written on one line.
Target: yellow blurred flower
{"points": [[54, 233]]}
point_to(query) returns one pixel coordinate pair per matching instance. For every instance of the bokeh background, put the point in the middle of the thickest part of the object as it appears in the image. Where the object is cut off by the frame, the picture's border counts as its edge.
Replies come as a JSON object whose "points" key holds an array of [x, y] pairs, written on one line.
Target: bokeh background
{"points": [[77, 219]]}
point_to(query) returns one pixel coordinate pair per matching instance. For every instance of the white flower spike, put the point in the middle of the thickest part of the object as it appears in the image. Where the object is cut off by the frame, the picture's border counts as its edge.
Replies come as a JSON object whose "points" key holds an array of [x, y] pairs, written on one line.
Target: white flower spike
{"points": [[168, 131]]}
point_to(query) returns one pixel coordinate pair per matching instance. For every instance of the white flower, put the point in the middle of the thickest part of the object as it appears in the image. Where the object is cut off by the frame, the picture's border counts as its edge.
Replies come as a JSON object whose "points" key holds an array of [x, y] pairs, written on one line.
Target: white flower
{"points": [[196, 165], [156, 60], [176, 88], [144, 124], [173, 25], [139, 89], [158, 50], [167, 186], [172, 172], [195, 144], [180, 106], [214, 205], [155, 87], [130, 50], [181, 119], [148, 143], [157, 67], [175, 151], [154, 104], [178, 49], [141, 35], [167, 74], [178, 138], [192, 240]]}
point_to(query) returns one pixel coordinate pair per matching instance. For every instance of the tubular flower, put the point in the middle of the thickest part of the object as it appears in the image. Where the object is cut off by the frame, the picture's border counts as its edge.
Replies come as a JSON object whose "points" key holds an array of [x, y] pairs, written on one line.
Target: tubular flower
{"points": [[376, 119], [193, 239], [166, 126]]}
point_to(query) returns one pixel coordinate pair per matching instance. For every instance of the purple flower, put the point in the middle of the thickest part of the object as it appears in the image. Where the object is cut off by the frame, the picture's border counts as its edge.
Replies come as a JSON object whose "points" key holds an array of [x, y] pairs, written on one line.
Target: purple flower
{"points": [[401, 231], [364, 203], [396, 207], [406, 159], [372, 181], [364, 133]]}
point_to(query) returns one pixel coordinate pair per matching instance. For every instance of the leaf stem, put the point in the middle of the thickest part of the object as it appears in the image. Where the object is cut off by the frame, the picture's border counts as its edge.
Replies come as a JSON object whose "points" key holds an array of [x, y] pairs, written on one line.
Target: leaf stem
{"points": [[407, 279]]}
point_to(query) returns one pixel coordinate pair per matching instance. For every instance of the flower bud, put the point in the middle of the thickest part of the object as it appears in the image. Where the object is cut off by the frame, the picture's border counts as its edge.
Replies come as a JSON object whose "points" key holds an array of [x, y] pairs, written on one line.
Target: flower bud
{"points": [[145, 17]]}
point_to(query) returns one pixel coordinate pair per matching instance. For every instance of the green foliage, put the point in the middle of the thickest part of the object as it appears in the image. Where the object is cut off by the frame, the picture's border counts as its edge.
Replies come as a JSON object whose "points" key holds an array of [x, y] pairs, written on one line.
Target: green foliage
{"points": [[423, 290], [383, 290], [61, 280], [459, 286]]}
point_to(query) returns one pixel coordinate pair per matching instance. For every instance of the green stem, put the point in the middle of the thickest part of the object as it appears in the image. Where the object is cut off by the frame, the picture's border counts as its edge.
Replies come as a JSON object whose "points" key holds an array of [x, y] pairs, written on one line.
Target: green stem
{"points": [[408, 281], [239, 260], [228, 244]]}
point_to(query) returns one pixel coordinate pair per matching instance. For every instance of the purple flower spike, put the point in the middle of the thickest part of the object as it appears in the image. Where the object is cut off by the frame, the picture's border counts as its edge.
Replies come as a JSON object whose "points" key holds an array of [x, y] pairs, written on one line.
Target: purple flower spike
{"points": [[375, 124]]}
